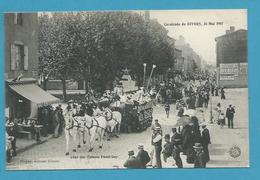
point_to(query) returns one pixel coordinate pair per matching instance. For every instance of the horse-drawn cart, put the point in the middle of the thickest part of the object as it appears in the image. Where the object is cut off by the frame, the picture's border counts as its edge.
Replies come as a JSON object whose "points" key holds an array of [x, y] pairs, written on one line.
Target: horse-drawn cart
{"points": [[136, 117]]}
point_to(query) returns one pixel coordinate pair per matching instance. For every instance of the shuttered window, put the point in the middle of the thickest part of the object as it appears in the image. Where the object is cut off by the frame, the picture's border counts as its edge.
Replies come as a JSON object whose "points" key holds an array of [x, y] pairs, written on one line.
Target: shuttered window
{"points": [[19, 57], [18, 18], [13, 56], [25, 60]]}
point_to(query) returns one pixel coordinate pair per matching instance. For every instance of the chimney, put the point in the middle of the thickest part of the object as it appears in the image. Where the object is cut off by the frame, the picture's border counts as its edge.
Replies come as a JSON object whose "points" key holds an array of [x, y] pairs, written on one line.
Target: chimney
{"points": [[232, 29]]}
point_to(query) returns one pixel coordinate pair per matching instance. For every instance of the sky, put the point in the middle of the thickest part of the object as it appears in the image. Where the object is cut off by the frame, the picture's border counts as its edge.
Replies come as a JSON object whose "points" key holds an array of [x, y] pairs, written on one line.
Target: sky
{"points": [[201, 37]]}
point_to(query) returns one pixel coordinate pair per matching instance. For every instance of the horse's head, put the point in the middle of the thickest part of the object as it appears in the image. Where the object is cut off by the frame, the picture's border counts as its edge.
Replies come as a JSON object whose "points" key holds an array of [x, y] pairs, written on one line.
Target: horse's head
{"points": [[107, 113]]}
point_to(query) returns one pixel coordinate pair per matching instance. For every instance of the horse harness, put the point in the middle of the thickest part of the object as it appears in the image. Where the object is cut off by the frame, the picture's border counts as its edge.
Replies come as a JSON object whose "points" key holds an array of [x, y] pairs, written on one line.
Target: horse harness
{"points": [[112, 118], [78, 125]]}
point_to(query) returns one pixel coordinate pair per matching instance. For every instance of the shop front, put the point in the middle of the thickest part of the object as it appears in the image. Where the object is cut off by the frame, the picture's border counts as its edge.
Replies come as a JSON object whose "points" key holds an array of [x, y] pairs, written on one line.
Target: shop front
{"points": [[25, 97]]}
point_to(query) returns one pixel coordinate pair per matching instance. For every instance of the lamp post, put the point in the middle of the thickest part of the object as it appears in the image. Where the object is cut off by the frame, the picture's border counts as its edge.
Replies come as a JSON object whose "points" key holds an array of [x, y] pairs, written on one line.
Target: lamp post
{"points": [[144, 74], [154, 66], [211, 113]]}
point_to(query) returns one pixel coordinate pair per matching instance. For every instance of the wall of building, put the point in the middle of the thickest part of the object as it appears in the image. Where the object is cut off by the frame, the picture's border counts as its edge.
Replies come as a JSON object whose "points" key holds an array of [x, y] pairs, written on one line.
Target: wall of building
{"points": [[27, 33], [231, 50], [233, 75], [188, 55], [179, 60], [232, 47]]}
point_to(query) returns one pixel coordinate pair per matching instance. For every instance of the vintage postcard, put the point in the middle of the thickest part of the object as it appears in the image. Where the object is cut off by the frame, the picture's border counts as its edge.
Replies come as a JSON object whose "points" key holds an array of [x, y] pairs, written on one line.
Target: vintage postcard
{"points": [[126, 89]]}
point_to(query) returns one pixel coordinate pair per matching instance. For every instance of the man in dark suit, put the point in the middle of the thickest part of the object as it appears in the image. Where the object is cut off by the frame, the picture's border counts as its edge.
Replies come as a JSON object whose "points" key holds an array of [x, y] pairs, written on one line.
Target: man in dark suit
{"points": [[176, 141], [205, 141], [142, 156], [230, 116], [167, 147], [200, 161], [132, 162]]}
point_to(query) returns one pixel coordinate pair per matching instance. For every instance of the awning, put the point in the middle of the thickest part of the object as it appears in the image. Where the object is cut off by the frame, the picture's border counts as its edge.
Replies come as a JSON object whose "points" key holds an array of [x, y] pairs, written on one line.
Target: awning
{"points": [[34, 93]]}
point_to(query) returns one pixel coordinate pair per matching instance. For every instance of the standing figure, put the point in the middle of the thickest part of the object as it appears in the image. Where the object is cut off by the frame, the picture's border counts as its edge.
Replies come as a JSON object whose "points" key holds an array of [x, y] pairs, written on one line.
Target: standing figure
{"points": [[205, 141], [216, 91], [167, 109], [142, 156], [217, 112], [156, 124], [176, 141], [167, 148], [212, 89], [200, 161], [157, 144], [206, 99], [222, 92], [221, 120], [230, 116], [56, 122], [132, 162], [12, 132]]}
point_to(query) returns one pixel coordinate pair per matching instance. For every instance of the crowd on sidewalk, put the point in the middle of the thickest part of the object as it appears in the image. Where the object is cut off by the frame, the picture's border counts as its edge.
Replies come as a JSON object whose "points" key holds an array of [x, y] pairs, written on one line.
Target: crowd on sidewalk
{"points": [[190, 136]]}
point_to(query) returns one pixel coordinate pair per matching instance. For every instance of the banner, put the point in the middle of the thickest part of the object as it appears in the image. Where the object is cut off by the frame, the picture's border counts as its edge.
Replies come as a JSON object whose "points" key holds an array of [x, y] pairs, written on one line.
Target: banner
{"points": [[229, 69]]}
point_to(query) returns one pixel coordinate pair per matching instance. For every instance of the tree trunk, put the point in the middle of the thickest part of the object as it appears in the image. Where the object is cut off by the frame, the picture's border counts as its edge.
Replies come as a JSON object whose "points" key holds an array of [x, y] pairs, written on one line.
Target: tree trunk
{"points": [[45, 84], [63, 80]]}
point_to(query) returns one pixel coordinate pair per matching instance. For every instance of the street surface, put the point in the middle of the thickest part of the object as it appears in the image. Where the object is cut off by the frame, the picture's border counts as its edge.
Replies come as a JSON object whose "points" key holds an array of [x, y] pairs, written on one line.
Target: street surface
{"points": [[51, 155]]}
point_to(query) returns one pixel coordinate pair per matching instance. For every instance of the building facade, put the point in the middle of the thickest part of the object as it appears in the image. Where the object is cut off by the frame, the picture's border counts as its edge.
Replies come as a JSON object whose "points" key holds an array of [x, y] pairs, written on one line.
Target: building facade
{"points": [[190, 61], [23, 96], [232, 61], [178, 60], [21, 45]]}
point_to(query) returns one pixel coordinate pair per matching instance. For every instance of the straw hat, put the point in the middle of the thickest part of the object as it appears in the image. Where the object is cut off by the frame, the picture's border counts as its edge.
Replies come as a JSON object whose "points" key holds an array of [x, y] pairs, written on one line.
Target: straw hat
{"points": [[197, 146], [140, 146], [130, 152]]}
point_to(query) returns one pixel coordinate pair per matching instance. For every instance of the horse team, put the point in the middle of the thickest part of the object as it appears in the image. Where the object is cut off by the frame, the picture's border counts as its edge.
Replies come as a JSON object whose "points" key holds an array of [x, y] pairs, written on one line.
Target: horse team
{"points": [[93, 127]]}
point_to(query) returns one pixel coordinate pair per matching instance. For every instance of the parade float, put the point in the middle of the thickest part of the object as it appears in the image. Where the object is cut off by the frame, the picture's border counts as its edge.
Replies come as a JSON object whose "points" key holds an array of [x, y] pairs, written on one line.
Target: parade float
{"points": [[135, 105]]}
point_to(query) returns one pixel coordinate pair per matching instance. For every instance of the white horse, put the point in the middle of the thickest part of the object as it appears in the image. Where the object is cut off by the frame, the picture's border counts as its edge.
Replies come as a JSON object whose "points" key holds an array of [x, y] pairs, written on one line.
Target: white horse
{"points": [[114, 119], [72, 129], [96, 127], [79, 126]]}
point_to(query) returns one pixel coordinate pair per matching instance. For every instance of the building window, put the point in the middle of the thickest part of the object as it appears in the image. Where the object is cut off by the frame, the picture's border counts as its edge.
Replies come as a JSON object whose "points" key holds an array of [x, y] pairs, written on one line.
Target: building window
{"points": [[19, 57], [18, 18]]}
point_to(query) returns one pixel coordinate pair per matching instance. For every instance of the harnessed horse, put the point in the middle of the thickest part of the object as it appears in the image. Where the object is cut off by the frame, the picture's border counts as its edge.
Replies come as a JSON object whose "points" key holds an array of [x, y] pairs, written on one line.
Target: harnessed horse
{"points": [[79, 126], [113, 119]]}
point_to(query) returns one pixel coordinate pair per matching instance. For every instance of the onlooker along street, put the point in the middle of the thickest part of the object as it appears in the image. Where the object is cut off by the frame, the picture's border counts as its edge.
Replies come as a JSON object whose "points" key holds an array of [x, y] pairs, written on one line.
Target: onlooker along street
{"points": [[124, 89]]}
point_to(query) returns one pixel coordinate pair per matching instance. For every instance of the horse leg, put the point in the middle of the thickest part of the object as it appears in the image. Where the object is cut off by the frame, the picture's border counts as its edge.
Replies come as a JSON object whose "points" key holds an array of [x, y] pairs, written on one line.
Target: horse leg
{"points": [[67, 137], [108, 129], [75, 133], [91, 141], [81, 135], [84, 140], [118, 129], [113, 130], [101, 138]]}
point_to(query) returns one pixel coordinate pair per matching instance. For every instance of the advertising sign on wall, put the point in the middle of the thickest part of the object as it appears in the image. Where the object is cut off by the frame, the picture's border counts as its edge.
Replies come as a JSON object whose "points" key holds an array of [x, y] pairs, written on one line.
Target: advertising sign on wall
{"points": [[229, 69]]}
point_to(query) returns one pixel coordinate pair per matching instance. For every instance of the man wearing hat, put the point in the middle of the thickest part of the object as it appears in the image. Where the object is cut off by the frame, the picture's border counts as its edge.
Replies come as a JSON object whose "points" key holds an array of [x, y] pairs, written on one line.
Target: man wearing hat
{"points": [[200, 161], [132, 162], [142, 156], [176, 141], [168, 147], [157, 143], [205, 140], [230, 115], [156, 124]]}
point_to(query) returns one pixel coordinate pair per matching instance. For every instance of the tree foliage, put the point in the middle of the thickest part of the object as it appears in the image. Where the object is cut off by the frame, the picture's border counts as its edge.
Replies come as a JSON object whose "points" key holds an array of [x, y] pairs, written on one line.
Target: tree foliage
{"points": [[96, 46]]}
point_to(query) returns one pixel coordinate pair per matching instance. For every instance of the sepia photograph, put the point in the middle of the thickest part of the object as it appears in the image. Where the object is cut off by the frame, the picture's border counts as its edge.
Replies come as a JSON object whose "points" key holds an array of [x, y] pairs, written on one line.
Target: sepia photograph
{"points": [[133, 89]]}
